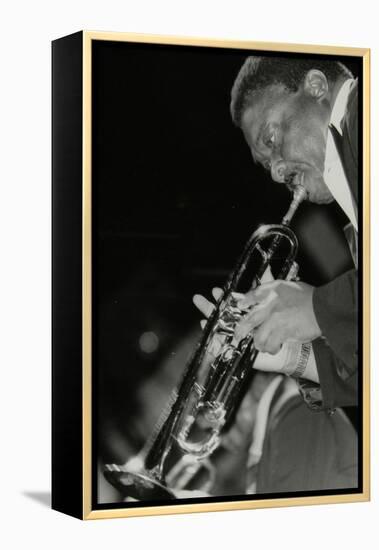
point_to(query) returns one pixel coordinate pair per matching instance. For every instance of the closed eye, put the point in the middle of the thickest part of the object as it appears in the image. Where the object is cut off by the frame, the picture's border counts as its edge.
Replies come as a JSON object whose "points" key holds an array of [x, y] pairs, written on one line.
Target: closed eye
{"points": [[269, 140]]}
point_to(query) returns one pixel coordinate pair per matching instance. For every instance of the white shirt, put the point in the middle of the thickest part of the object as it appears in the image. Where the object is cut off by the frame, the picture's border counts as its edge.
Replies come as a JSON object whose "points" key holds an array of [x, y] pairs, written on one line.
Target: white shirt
{"points": [[334, 174]]}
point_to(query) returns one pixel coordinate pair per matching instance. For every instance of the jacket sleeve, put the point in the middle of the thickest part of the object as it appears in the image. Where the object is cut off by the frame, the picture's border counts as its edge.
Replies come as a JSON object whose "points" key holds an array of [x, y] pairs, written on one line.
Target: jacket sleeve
{"points": [[336, 391], [336, 351], [335, 307]]}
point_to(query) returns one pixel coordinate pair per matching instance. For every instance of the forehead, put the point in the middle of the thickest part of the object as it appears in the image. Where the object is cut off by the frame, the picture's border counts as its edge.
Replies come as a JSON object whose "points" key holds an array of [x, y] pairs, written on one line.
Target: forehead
{"points": [[265, 106], [267, 101]]}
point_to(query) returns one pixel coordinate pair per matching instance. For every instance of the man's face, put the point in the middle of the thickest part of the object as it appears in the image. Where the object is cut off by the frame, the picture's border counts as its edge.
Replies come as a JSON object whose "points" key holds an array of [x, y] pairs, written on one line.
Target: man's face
{"points": [[286, 132]]}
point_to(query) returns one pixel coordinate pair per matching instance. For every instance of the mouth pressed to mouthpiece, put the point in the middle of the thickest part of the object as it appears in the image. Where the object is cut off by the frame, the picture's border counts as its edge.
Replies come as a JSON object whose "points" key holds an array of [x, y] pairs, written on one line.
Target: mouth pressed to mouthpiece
{"points": [[294, 178], [289, 178], [294, 181]]}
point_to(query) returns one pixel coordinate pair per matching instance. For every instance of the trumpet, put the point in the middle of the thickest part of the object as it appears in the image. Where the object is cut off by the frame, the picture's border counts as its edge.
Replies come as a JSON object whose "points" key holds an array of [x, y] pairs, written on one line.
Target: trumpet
{"points": [[215, 380]]}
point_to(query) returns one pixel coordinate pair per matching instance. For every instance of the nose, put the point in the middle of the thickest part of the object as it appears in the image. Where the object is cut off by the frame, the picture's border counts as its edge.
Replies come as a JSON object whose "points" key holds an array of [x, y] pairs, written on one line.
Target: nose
{"points": [[278, 171]]}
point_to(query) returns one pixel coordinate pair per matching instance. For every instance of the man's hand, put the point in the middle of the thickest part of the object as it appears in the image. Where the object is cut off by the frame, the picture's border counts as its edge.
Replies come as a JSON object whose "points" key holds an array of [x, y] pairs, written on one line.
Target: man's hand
{"points": [[205, 306], [282, 312], [280, 362]]}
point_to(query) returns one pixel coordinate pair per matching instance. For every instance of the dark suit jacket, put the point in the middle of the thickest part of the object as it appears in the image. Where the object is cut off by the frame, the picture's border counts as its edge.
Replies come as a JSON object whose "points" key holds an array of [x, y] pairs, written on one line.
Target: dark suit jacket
{"points": [[335, 304], [304, 451]]}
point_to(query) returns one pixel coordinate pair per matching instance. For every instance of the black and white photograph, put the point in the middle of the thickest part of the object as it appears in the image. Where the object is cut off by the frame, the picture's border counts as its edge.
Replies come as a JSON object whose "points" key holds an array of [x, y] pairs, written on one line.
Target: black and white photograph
{"points": [[227, 288], [188, 277]]}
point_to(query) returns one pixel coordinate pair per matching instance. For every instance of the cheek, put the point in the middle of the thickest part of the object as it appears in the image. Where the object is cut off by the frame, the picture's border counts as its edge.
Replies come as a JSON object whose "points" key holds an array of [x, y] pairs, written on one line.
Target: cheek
{"points": [[304, 143]]}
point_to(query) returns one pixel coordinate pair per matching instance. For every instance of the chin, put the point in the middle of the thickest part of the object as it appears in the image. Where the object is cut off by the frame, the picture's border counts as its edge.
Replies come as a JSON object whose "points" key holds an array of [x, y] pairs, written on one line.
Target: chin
{"points": [[321, 198], [324, 200], [318, 192]]}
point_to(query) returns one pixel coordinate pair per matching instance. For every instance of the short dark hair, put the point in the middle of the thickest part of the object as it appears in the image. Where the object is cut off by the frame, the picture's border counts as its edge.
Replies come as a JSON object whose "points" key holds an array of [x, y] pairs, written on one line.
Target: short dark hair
{"points": [[258, 72]]}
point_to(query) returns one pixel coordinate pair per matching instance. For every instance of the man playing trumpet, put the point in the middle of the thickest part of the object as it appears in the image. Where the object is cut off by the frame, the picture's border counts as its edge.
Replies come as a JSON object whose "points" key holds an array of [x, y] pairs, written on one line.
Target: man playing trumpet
{"points": [[299, 118]]}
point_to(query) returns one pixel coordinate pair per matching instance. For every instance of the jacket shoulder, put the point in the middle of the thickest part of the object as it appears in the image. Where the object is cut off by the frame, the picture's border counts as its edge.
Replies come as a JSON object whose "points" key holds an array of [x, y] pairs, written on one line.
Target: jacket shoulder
{"points": [[350, 121]]}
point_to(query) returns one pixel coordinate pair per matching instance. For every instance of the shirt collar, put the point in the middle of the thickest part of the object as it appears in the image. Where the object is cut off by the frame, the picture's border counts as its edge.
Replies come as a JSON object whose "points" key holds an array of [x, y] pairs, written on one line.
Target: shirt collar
{"points": [[334, 175], [340, 104]]}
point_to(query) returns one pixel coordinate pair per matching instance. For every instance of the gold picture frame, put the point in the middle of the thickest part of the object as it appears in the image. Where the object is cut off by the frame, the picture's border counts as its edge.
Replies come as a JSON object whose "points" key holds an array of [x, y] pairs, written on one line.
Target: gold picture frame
{"points": [[85, 470]]}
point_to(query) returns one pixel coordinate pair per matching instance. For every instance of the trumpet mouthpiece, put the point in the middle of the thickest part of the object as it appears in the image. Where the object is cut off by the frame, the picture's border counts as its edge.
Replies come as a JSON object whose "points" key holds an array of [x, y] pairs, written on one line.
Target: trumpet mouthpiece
{"points": [[299, 195]]}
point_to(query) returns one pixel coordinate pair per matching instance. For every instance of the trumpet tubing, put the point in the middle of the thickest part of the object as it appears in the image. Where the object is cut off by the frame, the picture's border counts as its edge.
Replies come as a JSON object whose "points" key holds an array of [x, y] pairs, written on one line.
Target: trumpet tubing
{"points": [[217, 376]]}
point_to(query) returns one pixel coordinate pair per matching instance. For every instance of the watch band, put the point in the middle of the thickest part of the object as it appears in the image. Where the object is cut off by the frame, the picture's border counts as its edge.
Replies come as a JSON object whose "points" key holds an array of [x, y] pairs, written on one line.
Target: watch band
{"points": [[302, 361]]}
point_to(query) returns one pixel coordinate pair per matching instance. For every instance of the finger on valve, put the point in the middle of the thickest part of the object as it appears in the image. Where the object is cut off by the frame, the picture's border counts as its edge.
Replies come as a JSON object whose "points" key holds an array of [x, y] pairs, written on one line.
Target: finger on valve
{"points": [[217, 293], [267, 276]]}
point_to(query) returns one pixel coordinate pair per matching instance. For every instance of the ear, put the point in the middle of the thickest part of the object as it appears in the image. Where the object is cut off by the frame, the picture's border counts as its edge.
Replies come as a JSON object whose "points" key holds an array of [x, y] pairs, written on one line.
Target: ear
{"points": [[316, 84]]}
